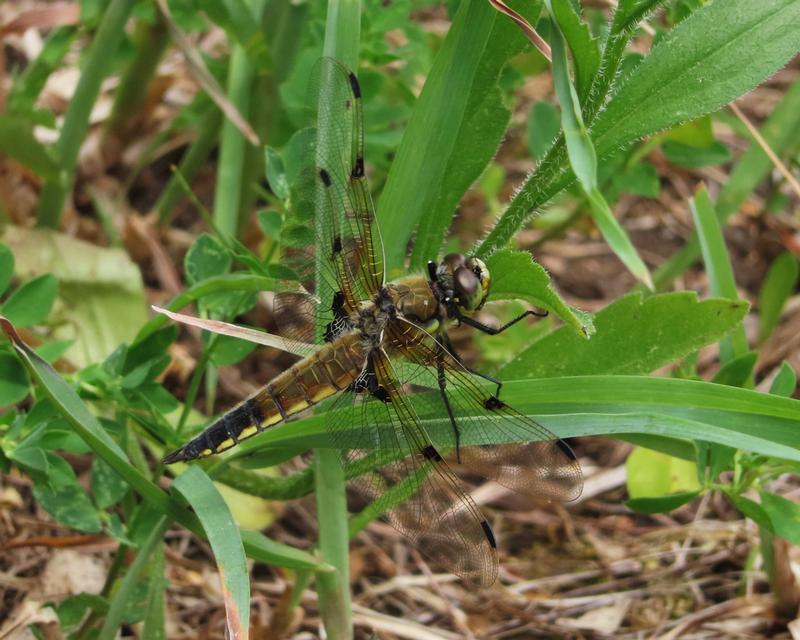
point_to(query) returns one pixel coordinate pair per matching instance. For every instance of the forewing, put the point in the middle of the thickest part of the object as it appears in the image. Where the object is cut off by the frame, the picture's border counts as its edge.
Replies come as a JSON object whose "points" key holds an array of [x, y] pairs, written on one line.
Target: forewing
{"points": [[527, 458], [332, 242], [409, 482]]}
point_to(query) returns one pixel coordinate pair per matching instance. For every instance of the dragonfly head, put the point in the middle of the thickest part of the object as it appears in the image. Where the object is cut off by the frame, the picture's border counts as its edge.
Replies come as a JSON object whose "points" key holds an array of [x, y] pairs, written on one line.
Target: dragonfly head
{"points": [[470, 279]]}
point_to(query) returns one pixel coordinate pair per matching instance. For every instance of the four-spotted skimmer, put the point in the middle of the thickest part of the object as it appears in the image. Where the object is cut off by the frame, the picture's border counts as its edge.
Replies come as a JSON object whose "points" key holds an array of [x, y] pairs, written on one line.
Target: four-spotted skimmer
{"points": [[379, 341]]}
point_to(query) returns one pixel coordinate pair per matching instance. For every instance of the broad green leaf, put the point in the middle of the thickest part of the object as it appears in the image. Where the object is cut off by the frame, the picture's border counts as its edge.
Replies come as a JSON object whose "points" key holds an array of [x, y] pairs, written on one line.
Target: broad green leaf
{"points": [[785, 382], [651, 474], [698, 133], [101, 290], [14, 382], [583, 159], [447, 133], [108, 487], [698, 68], [641, 179], [689, 156], [784, 515], [6, 267], [276, 174], [778, 285], [18, 142], [270, 223], [661, 504], [635, 334], [583, 46], [31, 303], [206, 257], [515, 276], [230, 350], [718, 267], [223, 535], [63, 498]]}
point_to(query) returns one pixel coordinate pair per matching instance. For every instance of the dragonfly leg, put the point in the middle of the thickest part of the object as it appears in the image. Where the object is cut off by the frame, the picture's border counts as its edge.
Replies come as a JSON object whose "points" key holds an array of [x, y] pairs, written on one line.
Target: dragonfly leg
{"points": [[449, 345], [492, 331], [442, 380]]}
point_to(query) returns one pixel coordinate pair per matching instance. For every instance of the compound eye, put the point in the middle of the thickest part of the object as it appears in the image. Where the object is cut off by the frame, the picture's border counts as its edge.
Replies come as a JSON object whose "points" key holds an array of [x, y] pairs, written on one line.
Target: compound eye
{"points": [[453, 261], [467, 287]]}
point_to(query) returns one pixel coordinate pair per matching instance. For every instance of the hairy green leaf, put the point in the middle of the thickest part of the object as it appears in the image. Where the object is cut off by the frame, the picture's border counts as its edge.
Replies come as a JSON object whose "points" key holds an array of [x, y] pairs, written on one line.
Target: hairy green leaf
{"points": [[634, 335]]}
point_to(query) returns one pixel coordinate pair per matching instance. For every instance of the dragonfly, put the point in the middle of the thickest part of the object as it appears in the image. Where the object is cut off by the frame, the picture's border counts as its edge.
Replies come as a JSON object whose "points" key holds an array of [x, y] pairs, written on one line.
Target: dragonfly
{"points": [[376, 343]]}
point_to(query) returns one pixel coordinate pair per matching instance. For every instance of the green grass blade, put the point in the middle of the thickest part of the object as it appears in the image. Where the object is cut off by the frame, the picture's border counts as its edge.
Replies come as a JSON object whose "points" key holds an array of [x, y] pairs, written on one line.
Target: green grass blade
{"points": [[453, 133], [223, 535], [778, 285], [120, 603], [342, 37], [97, 66], [718, 267], [583, 159]]}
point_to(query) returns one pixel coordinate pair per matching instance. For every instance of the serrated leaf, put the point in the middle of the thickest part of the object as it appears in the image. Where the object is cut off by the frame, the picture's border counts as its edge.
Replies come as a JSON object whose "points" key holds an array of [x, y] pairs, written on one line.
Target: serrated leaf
{"points": [[31, 303], [515, 276], [635, 334], [698, 67], [778, 285]]}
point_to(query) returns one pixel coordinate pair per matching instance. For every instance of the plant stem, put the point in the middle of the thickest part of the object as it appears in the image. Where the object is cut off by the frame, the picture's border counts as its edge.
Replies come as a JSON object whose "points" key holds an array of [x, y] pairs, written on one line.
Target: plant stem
{"points": [[76, 122], [151, 41], [192, 160], [342, 35]]}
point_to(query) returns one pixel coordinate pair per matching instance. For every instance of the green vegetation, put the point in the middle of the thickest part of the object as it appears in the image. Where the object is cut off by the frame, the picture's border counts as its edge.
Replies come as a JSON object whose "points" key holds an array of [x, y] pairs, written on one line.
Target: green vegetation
{"points": [[82, 369]]}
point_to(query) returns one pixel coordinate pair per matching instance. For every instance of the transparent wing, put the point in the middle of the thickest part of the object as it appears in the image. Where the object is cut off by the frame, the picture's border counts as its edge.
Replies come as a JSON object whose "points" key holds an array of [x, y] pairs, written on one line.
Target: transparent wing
{"points": [[333, 244], [526, 457], [434, 514]]}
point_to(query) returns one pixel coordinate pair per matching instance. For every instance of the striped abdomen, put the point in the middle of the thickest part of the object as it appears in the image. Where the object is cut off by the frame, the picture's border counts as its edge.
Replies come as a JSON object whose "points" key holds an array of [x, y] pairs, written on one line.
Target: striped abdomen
{"points": [[332, 369]]}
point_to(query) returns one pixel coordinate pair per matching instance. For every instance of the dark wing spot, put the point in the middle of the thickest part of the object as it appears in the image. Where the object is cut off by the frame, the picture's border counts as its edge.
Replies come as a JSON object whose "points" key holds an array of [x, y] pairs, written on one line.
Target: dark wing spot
{"points": [[489, 534], [566, 450], [382, 394], [337, 305], [358, 169], [337, 244], [354, 85], [493, 403], [326, 177], [430, 453]]}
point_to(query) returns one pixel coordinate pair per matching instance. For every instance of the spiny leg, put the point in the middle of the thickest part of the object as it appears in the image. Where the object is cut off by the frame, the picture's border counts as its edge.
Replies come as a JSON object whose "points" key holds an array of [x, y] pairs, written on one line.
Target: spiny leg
{"points": [[449, 346], [442, 380]]}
